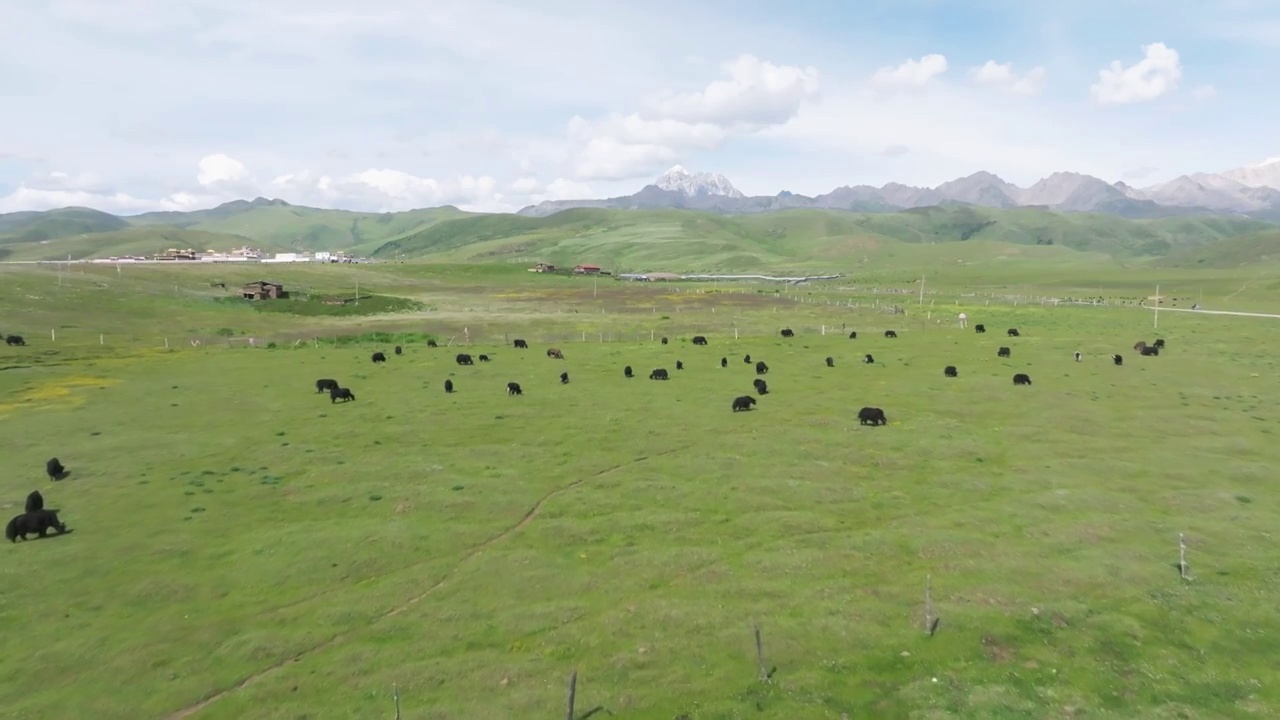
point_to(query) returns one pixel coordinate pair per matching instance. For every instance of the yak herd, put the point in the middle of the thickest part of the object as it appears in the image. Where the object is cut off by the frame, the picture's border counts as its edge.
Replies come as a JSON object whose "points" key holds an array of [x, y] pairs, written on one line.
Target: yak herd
{"points": [[38, 520]]}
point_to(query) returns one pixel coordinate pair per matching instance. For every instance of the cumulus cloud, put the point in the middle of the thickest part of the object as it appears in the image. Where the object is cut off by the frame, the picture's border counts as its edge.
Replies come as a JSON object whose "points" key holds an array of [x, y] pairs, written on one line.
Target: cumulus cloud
{"points": [[1002, 76], [756, 95], [912, 73], [220, 168], [756, 92], [1156, 74]]}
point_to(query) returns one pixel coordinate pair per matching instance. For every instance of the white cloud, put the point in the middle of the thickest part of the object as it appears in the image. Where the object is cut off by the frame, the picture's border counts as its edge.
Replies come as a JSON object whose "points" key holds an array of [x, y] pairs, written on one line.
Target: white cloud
{"points": [[756, 93], [526, 186], [220, 168], [912, 73], [563, 189], [29, 198], [1156, 74], [1002, 76], [1204, 93]]}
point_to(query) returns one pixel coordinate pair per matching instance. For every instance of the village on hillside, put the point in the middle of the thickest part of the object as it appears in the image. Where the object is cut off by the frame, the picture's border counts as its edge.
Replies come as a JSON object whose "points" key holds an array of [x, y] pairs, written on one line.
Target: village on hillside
{"points": [[242, 254]]}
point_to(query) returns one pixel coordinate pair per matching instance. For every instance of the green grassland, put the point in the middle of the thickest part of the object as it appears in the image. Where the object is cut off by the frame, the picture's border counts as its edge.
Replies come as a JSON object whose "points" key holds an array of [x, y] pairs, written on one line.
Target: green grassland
{"points": [[672, 240], [237, 538]]}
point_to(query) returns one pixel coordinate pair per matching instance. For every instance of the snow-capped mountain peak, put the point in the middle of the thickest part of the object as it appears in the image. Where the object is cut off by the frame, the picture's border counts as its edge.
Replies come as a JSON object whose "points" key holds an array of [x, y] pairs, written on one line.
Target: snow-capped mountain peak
{"points": [[1259, 174], [696, 184]]}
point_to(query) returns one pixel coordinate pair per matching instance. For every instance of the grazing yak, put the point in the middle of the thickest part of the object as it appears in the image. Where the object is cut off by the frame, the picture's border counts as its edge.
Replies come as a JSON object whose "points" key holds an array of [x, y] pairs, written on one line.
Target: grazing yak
{"points": [[679, 365], [659, 374], [831, 362], [448, 386], [1137, 347], [1013, 332], [325, 385], [890, 334], [868, 359], [979, 328], [513, 388], [340, 393], [54, 469], [1117, 359], [664, 339], [432, 343], [14, 340], [379, 357], [520, 344], [1078, 356], [743, 403], [555, 353], [746, 359], [564, 378], [761, 386], [786, 332], [399, 350], [35, 502], [626, 372], [1150, 351], [853, 335], [464, 359], [761, 368], [1158, 343], [872, 416], [1004, 352], [484, 358], [950, 371], [38, 522], [699, 340], [1022, 379], [724, 362]]}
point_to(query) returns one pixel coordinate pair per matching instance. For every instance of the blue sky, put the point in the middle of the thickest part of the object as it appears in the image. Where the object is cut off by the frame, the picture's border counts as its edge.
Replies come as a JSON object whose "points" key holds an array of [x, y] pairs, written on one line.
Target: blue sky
{"points": [[135, 105]]}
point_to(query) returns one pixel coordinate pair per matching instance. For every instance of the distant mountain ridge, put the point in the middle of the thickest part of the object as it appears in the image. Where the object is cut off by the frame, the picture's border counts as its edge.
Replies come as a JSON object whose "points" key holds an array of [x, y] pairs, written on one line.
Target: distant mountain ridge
{"points": [[1252, 191]]}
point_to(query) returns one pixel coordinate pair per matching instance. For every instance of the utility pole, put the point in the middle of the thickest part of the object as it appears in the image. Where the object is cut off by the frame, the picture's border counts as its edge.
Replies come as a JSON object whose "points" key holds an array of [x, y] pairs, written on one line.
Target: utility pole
{"points": [[1157, 316], [921, 289]]}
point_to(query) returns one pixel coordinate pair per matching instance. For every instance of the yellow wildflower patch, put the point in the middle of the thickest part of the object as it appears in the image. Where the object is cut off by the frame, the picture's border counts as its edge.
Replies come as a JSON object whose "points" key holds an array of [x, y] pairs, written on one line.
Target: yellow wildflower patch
{"points": [[57, 393]]}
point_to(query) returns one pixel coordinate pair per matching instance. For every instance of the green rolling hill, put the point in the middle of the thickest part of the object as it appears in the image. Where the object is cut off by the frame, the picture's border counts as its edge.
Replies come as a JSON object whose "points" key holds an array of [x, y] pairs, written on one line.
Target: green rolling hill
{"points": [[689, 240], [657, 239]]}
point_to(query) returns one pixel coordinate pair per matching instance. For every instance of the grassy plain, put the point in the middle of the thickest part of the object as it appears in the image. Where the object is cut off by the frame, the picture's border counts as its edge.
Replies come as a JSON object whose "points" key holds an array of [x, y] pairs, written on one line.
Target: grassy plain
{"points": [[238, 538]]}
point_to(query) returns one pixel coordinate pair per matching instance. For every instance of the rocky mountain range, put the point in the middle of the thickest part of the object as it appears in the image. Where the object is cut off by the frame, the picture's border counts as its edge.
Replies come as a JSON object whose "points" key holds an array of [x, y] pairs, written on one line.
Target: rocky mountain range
{"points": [[1251, 191]]}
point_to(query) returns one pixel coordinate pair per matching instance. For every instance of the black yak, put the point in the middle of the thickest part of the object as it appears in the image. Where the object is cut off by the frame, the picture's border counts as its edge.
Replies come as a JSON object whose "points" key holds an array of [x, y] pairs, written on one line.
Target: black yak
{"points": [[868, 359], [761, 386], [399, 350], [432, 343], [1004, 352], [724, 362], [483, 358], [761, 368], [464, 359], [54, 469], [514, 389], [743, 403], [1012, 332], [1022, 379], [35, 502], [520, 344], [679, 365], [1150, 350], [786, 332], [979, 328], [746, 359], [14, 340], [448, 386], [564, 378], [325, 385], [831, 362], [38, 522], [341, 393], [950, 371], [626, 372], [379, 357], [659, 374], [699, 340], [664, 340], [872, 416], [1078, 356], [1117, 359], [890, 334], [1158, 343], [853, 335]]}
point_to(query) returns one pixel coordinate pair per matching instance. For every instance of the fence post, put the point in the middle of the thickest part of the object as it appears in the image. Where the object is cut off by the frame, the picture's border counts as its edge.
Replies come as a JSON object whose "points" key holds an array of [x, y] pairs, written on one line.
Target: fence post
{"points": [[573, 692], [166, 342], [99, 338], [53, 334]]}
